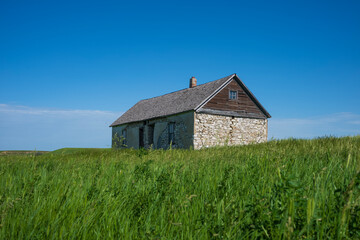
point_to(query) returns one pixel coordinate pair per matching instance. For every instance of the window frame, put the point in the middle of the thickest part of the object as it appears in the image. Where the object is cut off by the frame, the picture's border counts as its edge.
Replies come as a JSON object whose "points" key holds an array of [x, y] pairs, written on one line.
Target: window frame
{"points": [[171, 132], [236, 94], [124, 136], [151, 130]]}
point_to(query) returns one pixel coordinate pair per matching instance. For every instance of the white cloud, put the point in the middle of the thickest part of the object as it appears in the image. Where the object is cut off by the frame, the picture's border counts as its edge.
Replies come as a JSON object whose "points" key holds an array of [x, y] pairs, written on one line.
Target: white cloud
{"points": [[7, 109], [338, 124], [24, 128]]}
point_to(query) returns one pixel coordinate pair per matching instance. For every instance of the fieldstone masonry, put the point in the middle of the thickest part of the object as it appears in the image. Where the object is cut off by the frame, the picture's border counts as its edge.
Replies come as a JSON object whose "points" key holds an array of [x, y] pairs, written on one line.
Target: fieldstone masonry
{"points": [[197, 130], [212, 130], [183, 132], [180, 136]]}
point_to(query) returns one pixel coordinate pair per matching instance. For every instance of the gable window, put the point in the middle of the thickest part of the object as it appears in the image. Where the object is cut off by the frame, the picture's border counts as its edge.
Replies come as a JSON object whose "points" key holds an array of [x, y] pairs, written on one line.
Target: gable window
{"points": [[171, 128], [123, 135], [232, 95]]}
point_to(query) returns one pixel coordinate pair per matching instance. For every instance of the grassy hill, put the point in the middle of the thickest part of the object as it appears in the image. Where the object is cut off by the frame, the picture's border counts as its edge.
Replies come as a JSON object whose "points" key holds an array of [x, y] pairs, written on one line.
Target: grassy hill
{"points": [[288, 189], [22, 152]]}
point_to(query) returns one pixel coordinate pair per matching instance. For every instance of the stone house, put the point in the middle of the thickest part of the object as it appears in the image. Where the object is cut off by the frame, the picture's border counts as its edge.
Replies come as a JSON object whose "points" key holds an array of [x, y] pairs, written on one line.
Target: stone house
{"points": [[215, 113]]}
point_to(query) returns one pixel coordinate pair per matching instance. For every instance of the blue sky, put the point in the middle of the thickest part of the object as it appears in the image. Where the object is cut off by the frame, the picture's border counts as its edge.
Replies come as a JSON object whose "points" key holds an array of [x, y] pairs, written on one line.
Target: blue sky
{"points": [[68, 69]]}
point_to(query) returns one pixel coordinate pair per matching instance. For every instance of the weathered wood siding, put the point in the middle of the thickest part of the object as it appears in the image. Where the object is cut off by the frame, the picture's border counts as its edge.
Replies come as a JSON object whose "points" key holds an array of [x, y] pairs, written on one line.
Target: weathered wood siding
{"points": [[242, 105]]}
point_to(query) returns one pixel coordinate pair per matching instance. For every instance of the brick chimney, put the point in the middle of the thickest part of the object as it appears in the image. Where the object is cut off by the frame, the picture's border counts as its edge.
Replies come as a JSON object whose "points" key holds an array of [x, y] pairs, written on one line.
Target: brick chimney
{"points": [[192, 82]]}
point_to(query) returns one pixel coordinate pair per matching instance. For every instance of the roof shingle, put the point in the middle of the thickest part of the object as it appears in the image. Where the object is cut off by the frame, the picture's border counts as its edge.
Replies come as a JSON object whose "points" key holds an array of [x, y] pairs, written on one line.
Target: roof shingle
{"points": [[171, 103]]}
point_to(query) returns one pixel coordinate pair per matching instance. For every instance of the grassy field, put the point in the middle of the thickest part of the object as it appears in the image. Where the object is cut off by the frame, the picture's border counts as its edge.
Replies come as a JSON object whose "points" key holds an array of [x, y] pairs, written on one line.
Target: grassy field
{"points": [[288, 189], [22, 152]]}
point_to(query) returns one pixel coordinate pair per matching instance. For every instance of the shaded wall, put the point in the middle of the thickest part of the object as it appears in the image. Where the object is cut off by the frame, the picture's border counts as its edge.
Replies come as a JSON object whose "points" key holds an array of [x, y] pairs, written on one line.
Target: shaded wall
{"points": [[183, 132]]}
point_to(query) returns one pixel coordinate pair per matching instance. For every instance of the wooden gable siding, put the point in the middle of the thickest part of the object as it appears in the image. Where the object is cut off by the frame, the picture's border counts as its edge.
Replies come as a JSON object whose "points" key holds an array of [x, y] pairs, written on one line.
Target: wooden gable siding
{"points": [[242, 105]]}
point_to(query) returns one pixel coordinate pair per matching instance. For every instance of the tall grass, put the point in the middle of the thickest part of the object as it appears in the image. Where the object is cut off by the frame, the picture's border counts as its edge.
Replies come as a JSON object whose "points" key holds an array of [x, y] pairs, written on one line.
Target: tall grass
{"points": [[288, 189]]}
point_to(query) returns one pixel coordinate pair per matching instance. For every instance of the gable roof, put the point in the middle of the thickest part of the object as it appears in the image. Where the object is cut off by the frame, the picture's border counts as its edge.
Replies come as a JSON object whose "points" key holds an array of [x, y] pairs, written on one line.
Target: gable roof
{"points": [[180, 101]]}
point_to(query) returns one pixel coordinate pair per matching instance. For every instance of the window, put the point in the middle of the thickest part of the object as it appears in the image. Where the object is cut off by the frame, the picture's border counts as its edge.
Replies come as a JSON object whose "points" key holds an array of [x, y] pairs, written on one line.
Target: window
{"points": [[151, 134], [171, 127], [123, 135], [233, 95]]}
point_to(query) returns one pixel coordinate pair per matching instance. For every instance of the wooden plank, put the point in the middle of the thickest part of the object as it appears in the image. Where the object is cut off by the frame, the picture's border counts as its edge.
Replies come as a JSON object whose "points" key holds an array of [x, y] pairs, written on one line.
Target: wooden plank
{"points": [[244, 103]]}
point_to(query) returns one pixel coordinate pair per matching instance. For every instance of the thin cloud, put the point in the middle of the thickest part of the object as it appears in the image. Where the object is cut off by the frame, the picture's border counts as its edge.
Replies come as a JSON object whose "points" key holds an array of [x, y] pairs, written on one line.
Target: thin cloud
{"points": [[5, 108], [338, 124], [26, 128]]}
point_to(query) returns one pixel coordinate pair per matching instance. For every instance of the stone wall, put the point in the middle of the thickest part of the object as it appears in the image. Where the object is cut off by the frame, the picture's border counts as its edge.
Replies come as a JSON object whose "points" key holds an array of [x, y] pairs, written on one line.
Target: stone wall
{"points": [[184, 130], [211, 130], [196, 130], [132, 135]]}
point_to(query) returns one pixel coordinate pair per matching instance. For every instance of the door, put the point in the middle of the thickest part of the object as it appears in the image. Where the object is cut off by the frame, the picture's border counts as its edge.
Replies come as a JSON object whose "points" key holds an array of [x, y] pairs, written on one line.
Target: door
{"points": [[141, 137], [151, 134]]}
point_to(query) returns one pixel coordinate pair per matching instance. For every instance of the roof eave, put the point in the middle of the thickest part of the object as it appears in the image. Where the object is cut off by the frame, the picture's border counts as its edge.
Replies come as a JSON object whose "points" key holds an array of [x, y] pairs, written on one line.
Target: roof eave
{"points": [[148, 119], [251, 95], [214, 93]]}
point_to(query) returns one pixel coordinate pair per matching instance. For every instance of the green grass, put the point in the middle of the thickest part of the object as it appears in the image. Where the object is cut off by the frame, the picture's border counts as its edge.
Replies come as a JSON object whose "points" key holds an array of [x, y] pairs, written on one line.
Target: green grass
{"points": [[288, 189], [63, 151], [21, 152]]}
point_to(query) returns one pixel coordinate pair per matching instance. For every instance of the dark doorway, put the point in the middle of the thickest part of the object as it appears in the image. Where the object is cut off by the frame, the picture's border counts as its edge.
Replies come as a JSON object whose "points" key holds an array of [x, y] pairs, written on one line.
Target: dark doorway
{"points": [[151, 134], [141, 137]]}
